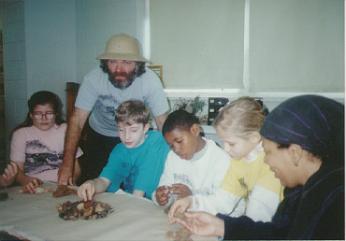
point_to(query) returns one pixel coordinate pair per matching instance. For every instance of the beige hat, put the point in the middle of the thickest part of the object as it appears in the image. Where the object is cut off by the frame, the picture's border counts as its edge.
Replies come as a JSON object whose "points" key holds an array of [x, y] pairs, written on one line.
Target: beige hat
{"points": [[123, 47]]}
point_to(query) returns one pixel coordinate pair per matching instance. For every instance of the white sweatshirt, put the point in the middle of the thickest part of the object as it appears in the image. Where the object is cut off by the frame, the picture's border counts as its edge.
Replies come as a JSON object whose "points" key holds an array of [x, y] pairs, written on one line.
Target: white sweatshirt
{"points": [[203, 176]]}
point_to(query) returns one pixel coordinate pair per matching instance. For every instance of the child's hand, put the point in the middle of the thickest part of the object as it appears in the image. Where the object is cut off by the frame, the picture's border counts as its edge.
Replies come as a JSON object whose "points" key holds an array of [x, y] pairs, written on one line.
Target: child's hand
{"points": [[181, 190], [162, 195], [86, 191], [9, 175], [31, 185], [179, 206]]}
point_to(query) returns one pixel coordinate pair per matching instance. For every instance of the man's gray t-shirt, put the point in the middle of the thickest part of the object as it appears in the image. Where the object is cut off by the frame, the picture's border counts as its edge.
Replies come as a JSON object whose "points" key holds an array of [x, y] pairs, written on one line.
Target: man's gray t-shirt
{"points": [[99, 96]]}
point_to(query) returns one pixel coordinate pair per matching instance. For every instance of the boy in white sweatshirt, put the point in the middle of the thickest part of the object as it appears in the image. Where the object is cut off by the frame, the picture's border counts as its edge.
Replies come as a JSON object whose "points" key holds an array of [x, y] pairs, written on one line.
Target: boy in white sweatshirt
{"points": [[194, 165]]}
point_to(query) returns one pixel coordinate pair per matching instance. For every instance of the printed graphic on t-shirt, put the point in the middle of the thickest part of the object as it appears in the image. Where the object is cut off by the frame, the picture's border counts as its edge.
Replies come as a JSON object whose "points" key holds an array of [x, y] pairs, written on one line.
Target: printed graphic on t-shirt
{"points": [[40, 158], [130, 179], [185, 179], [182, 178], [104, 108]]}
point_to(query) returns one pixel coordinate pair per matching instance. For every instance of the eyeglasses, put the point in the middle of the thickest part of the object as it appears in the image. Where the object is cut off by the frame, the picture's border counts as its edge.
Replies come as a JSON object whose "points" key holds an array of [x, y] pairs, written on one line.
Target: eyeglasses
{"points": [[40, 115]]}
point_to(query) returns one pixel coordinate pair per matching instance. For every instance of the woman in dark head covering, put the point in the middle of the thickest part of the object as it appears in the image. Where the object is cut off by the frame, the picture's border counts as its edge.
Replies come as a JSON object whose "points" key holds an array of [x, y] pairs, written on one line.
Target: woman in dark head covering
{"points": [[303, 139], [313, 122]]}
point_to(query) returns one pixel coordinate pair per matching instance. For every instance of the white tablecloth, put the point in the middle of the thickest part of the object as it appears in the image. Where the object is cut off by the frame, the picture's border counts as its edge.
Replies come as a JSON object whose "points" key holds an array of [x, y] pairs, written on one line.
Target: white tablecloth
{"points": [[36, 216]]}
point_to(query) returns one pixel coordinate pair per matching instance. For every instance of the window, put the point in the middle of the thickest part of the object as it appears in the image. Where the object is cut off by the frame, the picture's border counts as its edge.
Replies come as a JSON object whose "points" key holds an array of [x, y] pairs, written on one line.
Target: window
{"points": [[198, 42], [257, 46]]}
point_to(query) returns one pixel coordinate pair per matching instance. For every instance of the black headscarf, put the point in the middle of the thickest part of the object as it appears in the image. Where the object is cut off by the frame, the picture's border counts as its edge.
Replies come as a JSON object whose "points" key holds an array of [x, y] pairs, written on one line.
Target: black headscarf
{"points": [[314, 122]]}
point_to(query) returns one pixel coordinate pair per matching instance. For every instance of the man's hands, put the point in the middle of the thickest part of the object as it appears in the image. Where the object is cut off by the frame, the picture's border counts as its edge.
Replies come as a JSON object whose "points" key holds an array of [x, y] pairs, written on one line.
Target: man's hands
{"points": [[65, 176]]}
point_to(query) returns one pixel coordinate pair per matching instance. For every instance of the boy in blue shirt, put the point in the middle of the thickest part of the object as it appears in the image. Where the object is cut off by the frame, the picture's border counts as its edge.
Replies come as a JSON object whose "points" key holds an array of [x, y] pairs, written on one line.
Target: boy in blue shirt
{"points": [[137, 162]]}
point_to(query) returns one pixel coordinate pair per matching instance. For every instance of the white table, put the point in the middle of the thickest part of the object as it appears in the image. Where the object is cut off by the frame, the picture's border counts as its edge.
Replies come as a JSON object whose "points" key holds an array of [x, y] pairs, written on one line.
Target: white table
{"points": [[36, 216]]}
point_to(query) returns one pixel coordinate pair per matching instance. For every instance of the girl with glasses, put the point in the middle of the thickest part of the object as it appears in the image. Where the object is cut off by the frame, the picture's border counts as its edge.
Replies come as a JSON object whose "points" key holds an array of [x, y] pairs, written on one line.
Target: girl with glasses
{"points": [[37, 144]]}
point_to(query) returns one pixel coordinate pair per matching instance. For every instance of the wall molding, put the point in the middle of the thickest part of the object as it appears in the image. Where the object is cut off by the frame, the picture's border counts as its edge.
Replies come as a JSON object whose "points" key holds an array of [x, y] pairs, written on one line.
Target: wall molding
{"points": [[185, 93], [270, 99]]}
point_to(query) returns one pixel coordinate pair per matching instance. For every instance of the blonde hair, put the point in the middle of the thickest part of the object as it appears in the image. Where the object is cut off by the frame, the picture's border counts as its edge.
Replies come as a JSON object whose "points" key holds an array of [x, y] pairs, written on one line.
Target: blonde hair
{"points": [[240, 117]]}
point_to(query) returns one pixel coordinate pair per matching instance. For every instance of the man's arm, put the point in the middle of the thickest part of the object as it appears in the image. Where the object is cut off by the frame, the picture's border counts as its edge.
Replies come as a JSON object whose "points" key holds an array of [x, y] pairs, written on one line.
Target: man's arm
{"points": [[160, 120], [73, 133]]}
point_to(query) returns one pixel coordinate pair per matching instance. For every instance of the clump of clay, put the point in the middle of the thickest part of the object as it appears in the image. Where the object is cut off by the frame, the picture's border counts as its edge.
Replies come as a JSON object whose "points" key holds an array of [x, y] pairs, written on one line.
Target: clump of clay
{"points": [[83, 210]]}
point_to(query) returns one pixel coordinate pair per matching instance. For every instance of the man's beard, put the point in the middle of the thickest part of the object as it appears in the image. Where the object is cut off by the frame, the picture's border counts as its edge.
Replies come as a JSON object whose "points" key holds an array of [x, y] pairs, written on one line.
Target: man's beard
{"points": [[122, 84]]}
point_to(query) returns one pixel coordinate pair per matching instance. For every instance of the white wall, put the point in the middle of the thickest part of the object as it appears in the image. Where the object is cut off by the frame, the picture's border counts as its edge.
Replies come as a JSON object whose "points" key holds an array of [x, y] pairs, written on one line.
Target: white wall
{"points": [[14, 63], [50, 44], [99, 20]]}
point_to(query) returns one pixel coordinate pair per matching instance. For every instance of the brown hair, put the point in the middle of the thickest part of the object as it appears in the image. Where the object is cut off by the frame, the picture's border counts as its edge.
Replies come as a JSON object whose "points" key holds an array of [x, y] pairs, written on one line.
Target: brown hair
{"points": [[41, 98], [132, 111], [240, 117]]}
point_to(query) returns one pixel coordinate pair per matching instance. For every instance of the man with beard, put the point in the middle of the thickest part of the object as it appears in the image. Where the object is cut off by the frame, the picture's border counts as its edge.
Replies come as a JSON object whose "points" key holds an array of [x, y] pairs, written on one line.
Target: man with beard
{"points": [[121, 76]]}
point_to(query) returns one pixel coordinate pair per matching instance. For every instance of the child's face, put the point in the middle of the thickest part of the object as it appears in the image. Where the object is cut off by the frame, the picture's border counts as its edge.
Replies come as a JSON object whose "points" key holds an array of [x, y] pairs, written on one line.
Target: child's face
{"points": [[132, 135], [281, 163], [185, 143], [235, 146], [43, 117]]}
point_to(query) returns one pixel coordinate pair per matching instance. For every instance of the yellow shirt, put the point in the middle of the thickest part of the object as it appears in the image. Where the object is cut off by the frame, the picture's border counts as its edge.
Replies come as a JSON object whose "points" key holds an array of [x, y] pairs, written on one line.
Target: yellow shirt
{"points": [[242, 176], [248, 188]]}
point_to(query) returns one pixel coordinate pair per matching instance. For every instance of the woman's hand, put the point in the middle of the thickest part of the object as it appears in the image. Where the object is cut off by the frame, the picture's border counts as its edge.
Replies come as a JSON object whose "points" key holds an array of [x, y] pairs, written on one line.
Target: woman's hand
{"points": [[31, 184], [162, 195], [179, 206], [9, 175], [202, 223], [181, 190]]}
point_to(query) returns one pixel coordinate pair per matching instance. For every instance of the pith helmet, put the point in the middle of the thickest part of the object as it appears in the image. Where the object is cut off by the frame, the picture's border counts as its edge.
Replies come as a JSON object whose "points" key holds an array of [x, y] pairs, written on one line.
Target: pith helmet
{"points": [[123, 47]]}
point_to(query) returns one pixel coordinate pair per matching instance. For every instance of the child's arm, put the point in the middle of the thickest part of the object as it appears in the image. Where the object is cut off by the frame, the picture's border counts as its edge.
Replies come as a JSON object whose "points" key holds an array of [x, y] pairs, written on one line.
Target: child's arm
{"points": [[221, 201], [138, 193], [29, 184], [89, 188], [179, 206], [218, 202], [262, 204], [161, 195]]}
